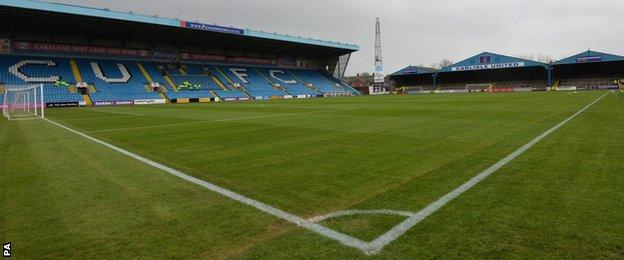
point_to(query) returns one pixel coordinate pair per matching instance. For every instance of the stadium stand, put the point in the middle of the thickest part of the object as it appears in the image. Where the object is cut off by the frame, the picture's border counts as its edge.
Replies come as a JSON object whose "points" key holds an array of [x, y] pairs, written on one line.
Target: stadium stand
{"points": [[123, 80], [590, 82], [181, 75], [319, 81], [589, 70], [492, 72], [289, 81], [252, 82], [412, 79], [498, 73], [341, 85], [128, 61], [115, 80], [20, 70]]}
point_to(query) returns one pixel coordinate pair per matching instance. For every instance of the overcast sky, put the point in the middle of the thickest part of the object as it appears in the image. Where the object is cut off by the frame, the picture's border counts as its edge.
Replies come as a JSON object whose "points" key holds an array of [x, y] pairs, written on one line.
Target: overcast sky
{"points": [[414, 31]]}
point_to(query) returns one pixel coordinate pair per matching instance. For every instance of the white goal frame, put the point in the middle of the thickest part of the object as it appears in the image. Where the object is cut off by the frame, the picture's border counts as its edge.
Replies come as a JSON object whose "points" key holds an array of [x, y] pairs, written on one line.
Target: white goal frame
{"points": [[27, 100]]}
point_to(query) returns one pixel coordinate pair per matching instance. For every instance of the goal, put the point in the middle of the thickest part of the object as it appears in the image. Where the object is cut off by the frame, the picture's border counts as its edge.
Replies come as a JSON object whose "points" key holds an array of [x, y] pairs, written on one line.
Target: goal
{"points": [[21, 102]]}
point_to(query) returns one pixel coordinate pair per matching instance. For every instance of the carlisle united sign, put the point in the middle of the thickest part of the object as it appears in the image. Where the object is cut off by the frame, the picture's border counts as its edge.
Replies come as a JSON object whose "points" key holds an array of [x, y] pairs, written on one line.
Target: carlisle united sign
{"points": [[489, 66], [594, 58], [410, 71]]}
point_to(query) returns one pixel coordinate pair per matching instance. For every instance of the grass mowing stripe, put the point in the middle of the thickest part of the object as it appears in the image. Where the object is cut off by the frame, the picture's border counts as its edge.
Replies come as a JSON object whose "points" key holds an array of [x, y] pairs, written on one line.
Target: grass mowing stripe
{"points": [[116, 112], [383, 240], [97, 118], [327, 232], [213, 121]]}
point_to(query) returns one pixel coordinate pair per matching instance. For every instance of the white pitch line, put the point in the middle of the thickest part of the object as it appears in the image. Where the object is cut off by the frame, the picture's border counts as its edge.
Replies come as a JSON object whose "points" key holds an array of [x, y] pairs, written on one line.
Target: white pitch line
{"points": [[214, 121], [383, 240], [368, 248], [324, 231]]}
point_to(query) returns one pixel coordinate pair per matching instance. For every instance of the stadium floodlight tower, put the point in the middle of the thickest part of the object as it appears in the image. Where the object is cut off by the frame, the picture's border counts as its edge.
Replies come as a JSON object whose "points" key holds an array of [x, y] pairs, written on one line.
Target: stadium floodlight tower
{"points": [[23, 102], [379, 78]]}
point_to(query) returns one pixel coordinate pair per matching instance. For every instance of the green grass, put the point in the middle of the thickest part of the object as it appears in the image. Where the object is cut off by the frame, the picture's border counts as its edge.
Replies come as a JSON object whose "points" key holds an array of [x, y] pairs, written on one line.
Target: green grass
{"points": [[65, 196]]}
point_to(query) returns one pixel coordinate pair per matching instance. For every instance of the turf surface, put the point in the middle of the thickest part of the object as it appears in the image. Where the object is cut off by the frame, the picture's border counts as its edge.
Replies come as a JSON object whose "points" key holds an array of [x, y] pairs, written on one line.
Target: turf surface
{"points": [[63, 195]]}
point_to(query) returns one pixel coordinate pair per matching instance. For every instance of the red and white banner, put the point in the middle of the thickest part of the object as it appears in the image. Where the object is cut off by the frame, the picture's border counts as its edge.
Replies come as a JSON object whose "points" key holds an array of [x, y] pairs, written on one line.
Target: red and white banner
{"points": [[502, 89]]}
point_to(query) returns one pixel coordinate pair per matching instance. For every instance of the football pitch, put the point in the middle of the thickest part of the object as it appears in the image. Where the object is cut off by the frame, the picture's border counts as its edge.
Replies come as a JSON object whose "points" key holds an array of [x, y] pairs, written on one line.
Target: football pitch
{"points": [[352, 177]]}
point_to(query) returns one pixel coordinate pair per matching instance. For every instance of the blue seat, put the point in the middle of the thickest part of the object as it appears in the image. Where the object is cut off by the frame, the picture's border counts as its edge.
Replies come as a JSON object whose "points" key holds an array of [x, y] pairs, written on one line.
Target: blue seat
{"points": [[195, 74], [121, 80], [114, 86], [59, 67], [321, 83], [189, 94], [231, 94], [254, 82]]}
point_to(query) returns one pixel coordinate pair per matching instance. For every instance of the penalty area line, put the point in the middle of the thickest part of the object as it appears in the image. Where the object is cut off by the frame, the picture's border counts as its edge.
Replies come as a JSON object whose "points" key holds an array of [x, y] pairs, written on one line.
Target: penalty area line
{"points": [[385, 239], [294, 219]]}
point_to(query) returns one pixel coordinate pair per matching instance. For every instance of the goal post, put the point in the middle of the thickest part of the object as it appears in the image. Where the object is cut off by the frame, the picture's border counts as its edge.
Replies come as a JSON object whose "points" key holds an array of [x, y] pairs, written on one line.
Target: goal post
{"points": [[23, 102]]}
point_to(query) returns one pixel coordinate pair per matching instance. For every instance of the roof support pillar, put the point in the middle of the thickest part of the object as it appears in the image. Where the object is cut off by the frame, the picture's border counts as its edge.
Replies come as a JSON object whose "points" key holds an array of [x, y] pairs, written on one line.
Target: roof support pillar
{"points": [[549, 71]]}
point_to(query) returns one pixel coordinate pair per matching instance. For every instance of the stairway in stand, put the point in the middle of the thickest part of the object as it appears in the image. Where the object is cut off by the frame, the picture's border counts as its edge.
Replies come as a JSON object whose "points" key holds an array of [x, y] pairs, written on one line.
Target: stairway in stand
{"points": [[271, 82], [308, 85], [170, 82], [219, 83], [242, 88], [151, 81], [78, 77]]}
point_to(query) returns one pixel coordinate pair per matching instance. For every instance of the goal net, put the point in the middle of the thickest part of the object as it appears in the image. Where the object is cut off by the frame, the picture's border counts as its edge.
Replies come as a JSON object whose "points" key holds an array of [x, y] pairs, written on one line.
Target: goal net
{"points": [[23, 102]]}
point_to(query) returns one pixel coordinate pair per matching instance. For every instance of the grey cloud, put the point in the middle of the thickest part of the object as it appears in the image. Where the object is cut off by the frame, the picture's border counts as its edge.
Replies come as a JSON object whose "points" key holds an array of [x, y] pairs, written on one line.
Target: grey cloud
{"points": [[413, 31]]}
